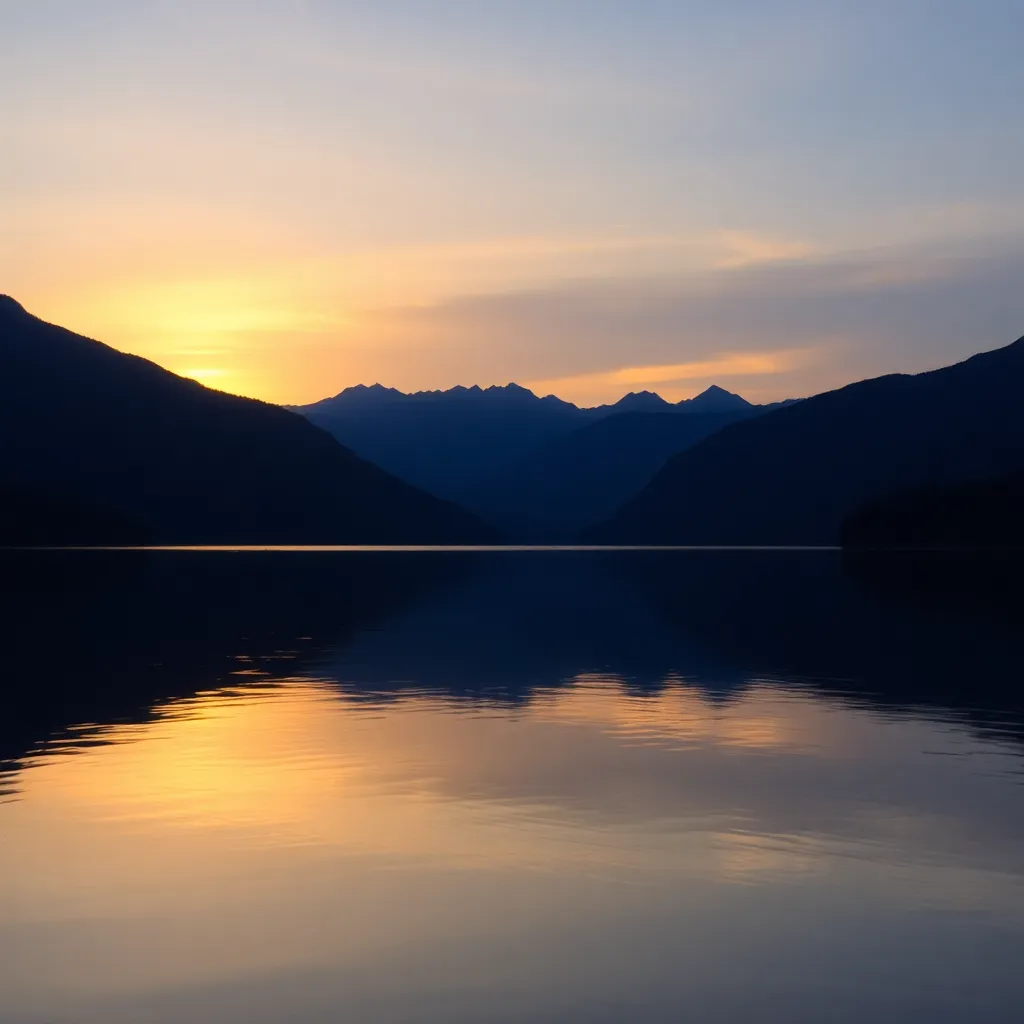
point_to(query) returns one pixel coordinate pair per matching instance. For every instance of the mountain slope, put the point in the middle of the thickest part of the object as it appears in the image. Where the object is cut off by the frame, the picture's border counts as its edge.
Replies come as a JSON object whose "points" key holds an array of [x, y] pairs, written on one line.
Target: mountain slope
{"points": [[442, 441], [87, 427], [714, 400], [635, 401], [458, 444], [578, 479], [979, 514], [793, 475]]}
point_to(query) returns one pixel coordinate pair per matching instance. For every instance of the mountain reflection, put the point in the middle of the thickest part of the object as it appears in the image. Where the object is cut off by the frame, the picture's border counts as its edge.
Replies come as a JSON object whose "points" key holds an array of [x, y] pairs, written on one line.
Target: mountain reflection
{"points": [[93, 638], [549, 787]]}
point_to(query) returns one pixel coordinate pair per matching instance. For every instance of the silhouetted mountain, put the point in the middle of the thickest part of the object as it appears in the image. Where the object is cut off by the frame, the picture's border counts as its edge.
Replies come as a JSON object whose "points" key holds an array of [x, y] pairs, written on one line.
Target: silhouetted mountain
{"points": [[442, 441], [459, 444], [979, 514], [123, 447], [795, 474], [636, 401], [578, 479], [377, 397], [714, 400]]}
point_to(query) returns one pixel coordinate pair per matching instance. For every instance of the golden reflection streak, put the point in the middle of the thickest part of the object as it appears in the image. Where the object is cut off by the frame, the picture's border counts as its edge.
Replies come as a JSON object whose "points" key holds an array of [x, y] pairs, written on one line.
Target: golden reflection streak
{"points": [[291, 765], [298, 765], [763, 720]]}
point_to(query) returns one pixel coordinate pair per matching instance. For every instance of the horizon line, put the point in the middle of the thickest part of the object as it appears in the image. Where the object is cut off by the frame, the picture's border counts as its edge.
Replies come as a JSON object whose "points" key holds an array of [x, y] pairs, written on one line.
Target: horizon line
{"points": [[519, 387], [406, 548]]}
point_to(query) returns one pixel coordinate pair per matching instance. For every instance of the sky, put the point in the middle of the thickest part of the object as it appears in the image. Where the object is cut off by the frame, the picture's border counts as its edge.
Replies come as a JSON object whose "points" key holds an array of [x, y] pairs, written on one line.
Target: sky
{"points": [[283, 198]]}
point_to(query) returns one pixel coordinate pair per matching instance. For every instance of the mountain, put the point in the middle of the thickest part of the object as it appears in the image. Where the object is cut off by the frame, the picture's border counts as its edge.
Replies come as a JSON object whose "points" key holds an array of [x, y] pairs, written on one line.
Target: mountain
{"points": [[714, 400], [459, 444], [983, 514], [442, 441], [578, 479], [792, 476], [635, 401], [711, 401], [102, 446]]}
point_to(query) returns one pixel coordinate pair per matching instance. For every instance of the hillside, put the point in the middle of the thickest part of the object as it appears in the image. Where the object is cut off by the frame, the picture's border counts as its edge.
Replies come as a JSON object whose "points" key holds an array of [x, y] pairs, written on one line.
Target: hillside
{"points": [[578, 479], [795, 474], [442, 441], [473, 445], [100, 445], [980, 514]]}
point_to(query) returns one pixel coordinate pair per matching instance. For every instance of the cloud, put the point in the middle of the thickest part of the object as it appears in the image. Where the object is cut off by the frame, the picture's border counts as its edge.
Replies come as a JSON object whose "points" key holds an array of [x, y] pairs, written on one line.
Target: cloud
{"points": [[769, 327], [595, 387], [744, 247], [850, 316], [864, 313]]}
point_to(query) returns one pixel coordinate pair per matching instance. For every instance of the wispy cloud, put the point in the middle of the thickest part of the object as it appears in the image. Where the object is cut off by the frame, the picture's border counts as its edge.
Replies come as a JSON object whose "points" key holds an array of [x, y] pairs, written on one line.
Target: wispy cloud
{"points": [[782, 327], [745, 247], [769, 328], [667, 378]]}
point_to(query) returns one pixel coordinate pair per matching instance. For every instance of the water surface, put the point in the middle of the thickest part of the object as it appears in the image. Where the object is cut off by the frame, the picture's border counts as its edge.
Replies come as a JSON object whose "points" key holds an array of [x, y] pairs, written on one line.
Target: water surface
{"points": [[561, 786]]}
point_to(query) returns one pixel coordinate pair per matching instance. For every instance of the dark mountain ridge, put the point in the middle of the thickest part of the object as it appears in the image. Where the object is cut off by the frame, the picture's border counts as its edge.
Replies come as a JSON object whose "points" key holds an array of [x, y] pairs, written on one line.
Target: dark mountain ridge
{"points": [[794, 475], [366, 397], [441, 441], [635, 401], [100, 444], [578, 479], [471, 445], [977, 515]]}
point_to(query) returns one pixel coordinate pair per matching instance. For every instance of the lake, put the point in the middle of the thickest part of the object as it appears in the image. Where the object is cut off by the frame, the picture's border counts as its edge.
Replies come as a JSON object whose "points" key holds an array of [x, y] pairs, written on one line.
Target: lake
{"points": [[565, 786]]}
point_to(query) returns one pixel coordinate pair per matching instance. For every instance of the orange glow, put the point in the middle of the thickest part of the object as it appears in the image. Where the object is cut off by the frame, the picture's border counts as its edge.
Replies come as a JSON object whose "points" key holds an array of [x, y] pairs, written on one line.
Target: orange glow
{"points": [[253, 308], [296, 763], [593, 388], [279, 826], [744, 248]]}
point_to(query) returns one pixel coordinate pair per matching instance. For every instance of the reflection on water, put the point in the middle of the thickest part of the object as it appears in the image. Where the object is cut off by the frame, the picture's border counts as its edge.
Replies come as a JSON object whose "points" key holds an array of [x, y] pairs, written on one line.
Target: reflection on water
{"points": [[558, 787]]}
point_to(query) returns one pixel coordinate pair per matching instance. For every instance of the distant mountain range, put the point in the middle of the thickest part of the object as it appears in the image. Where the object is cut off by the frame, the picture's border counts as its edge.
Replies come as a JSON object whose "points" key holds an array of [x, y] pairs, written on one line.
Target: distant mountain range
{"points": [[100, 446], [712, 401], [541, 469], [796, 475], [103, 447], [442, 441], [578, 479]]}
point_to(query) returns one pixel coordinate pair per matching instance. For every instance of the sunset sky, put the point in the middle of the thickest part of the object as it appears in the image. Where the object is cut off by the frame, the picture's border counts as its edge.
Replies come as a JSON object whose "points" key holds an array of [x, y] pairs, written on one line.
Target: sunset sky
{"points": [[282, 198]]}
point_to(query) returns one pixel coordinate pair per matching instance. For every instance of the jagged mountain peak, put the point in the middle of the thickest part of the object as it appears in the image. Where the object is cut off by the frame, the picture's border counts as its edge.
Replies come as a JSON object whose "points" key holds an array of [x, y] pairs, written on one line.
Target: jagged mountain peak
{"points": [[646, 401], [715, 399], [364, 396]]}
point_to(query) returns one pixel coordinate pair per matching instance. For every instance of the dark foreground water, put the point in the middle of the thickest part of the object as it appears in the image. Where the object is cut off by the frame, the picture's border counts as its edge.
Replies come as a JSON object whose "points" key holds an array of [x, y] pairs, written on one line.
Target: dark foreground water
{"points": [[694, 786]]}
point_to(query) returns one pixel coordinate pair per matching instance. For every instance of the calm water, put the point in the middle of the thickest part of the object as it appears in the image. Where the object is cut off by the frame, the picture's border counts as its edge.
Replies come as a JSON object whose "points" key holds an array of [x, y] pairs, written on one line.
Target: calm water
{"points": [[558, 786]]}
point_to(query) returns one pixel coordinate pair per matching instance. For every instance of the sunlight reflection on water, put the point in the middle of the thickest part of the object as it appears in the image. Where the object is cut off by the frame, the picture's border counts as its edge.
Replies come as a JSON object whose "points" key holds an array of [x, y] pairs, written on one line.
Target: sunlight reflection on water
{"points": [[368, 831]]}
